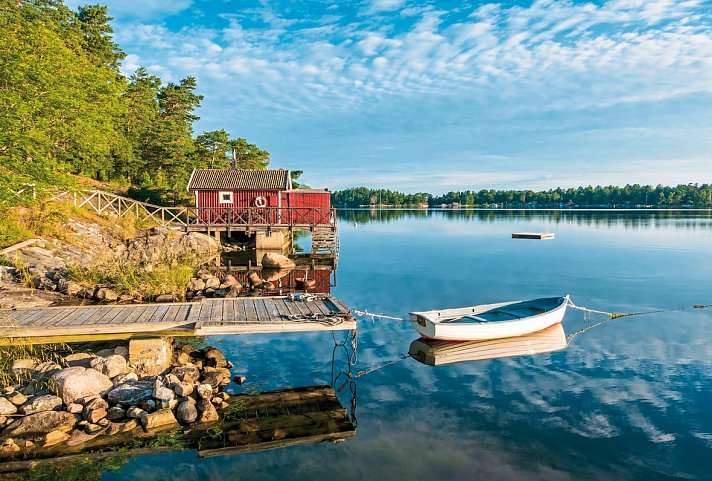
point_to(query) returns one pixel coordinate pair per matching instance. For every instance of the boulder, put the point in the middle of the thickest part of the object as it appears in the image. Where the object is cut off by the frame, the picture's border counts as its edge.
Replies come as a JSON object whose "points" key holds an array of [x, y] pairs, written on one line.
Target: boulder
{"points": [[23, 367], [135, 412], [277, 261], [229, 281], [112, 365], [7, 407], [41, 404], [74, 383], [74, 408], [162, 393], [121, 351], [183, 389], [45, 370], [10, 448], [115, 413], [148, 405], [160, 418], [95, 415], [42, 423], [150, 357], [69, 288], [105, 294], [183, 358], [181, 371], [214, 357], [82, 359], [95, 409], [186, 412], [131, 392], [212, 283], [55, 437], [86, 292], [196, 285], [132, 376], [16, 398], [208, 413], [205, 391], [165, 298], [44, 283]]}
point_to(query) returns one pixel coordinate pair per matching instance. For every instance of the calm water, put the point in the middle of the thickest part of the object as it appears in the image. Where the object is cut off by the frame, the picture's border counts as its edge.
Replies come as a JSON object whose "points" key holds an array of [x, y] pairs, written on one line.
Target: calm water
{"points": [[631, 399]]}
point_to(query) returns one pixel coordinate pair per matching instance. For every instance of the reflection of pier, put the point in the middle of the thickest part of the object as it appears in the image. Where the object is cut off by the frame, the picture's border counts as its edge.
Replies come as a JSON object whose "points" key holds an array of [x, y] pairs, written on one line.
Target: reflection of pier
{"points": [[254, 422]]}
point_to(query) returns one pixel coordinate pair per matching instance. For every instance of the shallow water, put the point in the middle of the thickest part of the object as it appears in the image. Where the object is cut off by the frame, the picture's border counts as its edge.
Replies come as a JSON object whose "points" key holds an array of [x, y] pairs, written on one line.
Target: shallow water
{"points": [[629, 399]]}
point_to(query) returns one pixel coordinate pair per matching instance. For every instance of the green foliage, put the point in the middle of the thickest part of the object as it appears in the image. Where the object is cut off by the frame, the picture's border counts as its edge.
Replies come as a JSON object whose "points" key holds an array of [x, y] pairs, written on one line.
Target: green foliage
{"points": [[691, 195], [65, 109], [10, 353]]}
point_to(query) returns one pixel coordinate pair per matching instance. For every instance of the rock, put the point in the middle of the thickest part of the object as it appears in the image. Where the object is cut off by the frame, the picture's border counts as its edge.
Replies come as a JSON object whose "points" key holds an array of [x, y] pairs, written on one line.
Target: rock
{"points": [[186, 412], [268, 286], [74, 408], [215, 379], [93, 428], [165, 298], [77, 382], [229, 281], [115, 413], [55, 437], [148, 405], [183, 389], [41, 423], [223, 395], [183, 358], [111, 366], [45, 370], [41, 404], [9, 448], [162, 393], [94, 415], [42, 282], [82, 359], [277, 261], [212, 283], [7, 407], [205, 391], [3, 420], [104, 352], [181, 371], [239, 380], [16, 398], [162, 417], [196, 285], [214, 357], [254, 279], [123, 378], [208, 413], [131, 392], [135, 412], [23, 367], [128, 426], [106, 294], [86, 292], [216, 401], [69, 288], [121, 351], [150, 357]]}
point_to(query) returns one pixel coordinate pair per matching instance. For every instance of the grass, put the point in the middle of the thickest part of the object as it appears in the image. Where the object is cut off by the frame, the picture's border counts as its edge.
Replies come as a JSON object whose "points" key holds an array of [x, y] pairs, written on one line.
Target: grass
{"points": [[132, 279], [40, 352]]}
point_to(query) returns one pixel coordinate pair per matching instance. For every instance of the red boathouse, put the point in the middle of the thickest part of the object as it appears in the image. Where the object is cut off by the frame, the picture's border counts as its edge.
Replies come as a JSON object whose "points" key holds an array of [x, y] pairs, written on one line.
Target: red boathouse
{"points": [[234, 197]]}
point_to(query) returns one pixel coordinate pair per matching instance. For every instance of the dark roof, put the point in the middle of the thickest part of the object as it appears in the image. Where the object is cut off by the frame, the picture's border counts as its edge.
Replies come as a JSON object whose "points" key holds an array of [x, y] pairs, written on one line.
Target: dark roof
{"points": [[228, 179]]}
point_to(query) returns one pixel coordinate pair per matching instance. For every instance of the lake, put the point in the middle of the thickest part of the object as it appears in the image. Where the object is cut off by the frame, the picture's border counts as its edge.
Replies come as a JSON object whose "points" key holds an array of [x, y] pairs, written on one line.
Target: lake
{"points": [[630, 399]]}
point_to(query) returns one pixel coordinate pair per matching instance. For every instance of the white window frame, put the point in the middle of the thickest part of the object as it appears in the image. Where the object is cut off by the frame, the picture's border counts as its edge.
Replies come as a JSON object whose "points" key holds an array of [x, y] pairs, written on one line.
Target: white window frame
{"points": [[222, 200]]}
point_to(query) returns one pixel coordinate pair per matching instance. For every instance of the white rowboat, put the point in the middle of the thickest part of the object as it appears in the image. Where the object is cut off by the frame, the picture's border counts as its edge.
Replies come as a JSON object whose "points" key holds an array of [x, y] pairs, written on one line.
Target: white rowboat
{"points": [[438, 353], [490, 321]]}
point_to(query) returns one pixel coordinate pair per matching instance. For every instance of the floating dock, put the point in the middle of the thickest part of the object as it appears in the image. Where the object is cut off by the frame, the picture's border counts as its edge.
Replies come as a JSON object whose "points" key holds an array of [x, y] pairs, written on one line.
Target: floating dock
{"points": [[533, 235], [241, 315]]}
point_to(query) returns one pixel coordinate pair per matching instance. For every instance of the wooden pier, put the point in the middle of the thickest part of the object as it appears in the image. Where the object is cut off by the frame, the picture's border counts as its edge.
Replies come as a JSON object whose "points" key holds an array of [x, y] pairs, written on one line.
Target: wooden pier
{"points": [[241, 315]]}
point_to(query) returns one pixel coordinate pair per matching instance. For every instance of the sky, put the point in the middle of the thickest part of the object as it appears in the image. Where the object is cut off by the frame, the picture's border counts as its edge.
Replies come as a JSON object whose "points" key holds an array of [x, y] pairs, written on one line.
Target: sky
{"points": [[445, 95]]}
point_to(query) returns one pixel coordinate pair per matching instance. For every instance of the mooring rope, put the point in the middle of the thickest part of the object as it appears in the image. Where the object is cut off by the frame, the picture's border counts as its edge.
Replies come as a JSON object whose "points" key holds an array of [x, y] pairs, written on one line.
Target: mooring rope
{"points": [[382, 316]]}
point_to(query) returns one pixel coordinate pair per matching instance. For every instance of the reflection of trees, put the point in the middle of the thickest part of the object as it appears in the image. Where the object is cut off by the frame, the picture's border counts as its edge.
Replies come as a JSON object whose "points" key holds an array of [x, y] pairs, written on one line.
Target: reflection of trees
{"points": [[612, 218]]}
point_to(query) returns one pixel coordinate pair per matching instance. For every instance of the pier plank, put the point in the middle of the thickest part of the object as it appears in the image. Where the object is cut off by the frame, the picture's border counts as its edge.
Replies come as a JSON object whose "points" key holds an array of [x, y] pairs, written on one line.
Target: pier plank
{"points": [[215, 316]]}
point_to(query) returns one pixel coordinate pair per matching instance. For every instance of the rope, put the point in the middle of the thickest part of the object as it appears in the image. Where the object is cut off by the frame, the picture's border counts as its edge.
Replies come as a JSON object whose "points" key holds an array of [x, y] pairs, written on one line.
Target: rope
{"points": [[380, 366], [382, 316]]}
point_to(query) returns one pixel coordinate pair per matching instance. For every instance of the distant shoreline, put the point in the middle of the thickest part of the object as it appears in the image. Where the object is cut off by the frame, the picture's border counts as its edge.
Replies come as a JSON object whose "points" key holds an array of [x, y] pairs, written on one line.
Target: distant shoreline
{"points": [[557, 209]]}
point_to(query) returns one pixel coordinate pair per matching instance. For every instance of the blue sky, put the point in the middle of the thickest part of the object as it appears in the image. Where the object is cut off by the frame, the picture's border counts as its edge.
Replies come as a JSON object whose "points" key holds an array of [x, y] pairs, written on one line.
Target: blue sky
{"points": [[445, 95]]}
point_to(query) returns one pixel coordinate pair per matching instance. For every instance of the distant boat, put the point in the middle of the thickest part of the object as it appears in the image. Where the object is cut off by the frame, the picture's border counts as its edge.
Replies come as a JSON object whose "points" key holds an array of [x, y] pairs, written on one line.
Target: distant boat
{"points": [[490, 321], [437, 353]]}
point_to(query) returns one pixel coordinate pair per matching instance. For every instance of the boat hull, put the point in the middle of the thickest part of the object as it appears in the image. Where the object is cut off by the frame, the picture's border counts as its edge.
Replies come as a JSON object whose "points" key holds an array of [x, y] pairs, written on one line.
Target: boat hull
{"points": [[434, 325]]}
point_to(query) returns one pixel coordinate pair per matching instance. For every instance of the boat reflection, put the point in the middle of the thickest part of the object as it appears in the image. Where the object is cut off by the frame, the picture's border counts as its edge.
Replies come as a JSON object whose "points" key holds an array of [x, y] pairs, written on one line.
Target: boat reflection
{"points": [[438, 353]]}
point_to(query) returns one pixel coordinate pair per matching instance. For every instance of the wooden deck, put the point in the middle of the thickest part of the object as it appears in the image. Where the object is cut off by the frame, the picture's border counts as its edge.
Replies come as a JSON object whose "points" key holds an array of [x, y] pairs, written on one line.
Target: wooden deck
{"points": [[243, 315]]}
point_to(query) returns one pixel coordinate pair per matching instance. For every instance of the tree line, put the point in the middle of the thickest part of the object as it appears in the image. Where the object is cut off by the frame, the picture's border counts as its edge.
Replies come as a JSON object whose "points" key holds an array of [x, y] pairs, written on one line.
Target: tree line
{"points": [[66, 109], [600, 196]]}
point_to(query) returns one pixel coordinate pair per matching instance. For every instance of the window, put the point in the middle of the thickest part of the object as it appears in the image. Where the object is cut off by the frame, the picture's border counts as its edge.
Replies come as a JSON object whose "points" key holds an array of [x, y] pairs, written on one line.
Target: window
{"points": [[225, 197]]}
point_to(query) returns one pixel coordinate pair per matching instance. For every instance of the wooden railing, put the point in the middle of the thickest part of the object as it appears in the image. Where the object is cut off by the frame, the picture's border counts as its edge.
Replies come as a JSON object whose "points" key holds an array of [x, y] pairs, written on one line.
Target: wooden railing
{"points": [[204, 218]]}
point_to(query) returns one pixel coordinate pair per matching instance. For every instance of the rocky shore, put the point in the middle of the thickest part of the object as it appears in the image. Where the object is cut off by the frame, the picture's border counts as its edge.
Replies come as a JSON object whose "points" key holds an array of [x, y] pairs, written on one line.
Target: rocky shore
{"points": [[144, 385]]}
